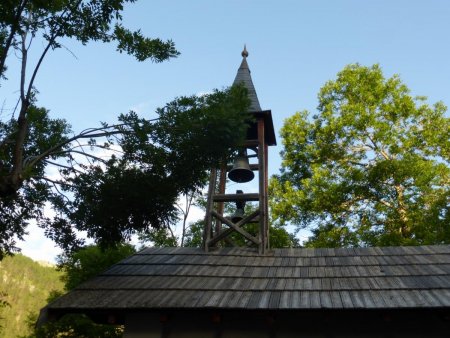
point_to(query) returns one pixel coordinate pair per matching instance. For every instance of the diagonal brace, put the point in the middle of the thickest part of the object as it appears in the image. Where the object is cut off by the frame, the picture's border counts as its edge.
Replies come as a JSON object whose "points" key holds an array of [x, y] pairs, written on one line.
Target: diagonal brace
{"points": [[234, 227]]}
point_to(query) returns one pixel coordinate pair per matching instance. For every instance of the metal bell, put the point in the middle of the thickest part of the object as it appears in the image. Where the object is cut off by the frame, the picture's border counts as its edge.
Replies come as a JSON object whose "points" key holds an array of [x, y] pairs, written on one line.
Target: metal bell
{"points": [[239, 213], [237, 216], [241, 172]]}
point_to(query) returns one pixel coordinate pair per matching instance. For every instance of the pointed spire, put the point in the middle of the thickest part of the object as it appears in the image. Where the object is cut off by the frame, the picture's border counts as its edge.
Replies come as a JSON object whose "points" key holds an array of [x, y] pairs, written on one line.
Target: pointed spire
{"points": [[244, 52], [243, 76]]}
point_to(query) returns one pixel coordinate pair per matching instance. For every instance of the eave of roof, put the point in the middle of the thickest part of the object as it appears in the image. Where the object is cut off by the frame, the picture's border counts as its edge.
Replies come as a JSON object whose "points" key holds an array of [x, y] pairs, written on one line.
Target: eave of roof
{"points": [[285, 279]]}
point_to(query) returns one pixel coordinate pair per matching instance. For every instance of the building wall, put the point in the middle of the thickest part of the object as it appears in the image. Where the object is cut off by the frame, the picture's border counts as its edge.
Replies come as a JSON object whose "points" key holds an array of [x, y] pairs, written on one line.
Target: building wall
{"points": [[284, 324]]}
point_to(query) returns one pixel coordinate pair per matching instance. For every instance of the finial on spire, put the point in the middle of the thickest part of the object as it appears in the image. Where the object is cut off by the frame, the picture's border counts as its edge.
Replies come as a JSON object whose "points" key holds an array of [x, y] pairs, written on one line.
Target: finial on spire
{"points": [[244, 52]]}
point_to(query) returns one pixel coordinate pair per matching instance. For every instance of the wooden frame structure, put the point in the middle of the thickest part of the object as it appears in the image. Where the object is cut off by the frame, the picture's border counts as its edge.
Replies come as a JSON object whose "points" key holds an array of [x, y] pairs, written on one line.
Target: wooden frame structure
{"points": [[259, 136]]}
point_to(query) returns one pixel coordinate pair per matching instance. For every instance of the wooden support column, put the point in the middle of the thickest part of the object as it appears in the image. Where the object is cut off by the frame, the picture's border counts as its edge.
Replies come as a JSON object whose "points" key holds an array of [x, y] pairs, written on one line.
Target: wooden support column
{"points": [[209, 208], [262, 188], [220, 206], [266, 176]]}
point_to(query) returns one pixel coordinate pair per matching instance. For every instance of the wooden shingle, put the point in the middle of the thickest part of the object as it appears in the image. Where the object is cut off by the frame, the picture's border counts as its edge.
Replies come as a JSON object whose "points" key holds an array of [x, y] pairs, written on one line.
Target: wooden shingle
{"points": [[238, 278]]}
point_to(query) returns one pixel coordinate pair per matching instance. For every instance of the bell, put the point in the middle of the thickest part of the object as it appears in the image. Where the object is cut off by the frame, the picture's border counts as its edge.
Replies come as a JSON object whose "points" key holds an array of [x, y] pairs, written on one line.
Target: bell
{"points": [[239, 213], [241, 172]]}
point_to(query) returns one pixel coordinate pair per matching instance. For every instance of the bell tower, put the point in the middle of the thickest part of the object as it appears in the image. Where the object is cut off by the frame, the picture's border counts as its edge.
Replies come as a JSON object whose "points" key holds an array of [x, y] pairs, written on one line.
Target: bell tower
{"points": [[260, 135]]}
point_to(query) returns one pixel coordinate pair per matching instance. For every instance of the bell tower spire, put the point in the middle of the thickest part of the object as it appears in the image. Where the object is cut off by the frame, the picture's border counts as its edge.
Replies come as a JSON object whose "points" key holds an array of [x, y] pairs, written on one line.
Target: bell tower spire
{"points": [[260, 135], [244, 76]]}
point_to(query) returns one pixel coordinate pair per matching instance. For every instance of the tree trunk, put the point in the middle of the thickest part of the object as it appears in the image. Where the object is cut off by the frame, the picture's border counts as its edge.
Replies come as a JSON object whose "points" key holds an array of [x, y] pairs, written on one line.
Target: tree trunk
{"points": [[11, 182], [404, 229]]}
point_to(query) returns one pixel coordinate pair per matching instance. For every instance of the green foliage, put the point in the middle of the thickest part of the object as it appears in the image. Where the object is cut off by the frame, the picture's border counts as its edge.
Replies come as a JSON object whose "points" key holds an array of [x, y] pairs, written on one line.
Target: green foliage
{"points": [[25, 286], [31, 140], [194, 234], [3, 304], [159, 238], [156, 161], [85, 21], [371, 168], [76, 326], [18, 208], [89, 261], [138, 190], [78, 267]]}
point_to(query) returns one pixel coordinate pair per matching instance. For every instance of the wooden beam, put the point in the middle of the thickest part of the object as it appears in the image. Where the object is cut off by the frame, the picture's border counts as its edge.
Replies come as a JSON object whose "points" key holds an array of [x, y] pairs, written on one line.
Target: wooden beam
{"points": [[235, 197], [222, 181], [234, 227], [250, 143], [209, 208], [262, 187]]}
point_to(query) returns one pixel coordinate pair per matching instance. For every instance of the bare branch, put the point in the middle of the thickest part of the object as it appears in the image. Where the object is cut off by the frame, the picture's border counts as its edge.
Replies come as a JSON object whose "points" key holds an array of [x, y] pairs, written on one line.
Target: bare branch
{"points": [[51, 41], [88, 155], [55, 185], [386, 203], [171, 232], [12, 32], [23, 71], [72, 53], [63, 166], [68, 141], [87, 133], [83, 152]]}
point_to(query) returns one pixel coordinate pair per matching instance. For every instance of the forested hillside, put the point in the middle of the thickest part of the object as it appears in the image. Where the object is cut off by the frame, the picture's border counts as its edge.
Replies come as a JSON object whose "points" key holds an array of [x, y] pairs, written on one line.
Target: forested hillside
{"points": [[27, 285]]}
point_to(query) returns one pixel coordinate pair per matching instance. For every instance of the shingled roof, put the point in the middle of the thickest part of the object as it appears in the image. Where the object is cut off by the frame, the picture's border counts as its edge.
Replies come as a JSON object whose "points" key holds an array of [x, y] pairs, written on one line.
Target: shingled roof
{"points": [[244, 77], [285, 279]]}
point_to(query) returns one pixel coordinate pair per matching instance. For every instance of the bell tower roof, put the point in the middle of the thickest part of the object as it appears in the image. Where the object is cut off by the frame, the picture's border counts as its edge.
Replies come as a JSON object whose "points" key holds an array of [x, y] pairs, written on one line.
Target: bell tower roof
{"points": [[243, 76]]}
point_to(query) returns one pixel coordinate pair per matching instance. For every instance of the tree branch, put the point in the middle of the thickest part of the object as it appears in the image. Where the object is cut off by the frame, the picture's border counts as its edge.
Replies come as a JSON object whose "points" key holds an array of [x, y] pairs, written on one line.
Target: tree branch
{"points": [[23, 73], [386, 203], [87, 155], [12, 32], [63, 166], [51, 150], [55, 183]]}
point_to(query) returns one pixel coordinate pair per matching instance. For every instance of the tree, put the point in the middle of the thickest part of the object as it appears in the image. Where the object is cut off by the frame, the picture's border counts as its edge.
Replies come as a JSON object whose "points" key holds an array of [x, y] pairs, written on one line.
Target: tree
{"points": [[74, 326], [79, 266], [138, 190], [23, 21], [31, 140], [3, 304], [371, 168], [159, 238], [152, 159], [89, 261]]}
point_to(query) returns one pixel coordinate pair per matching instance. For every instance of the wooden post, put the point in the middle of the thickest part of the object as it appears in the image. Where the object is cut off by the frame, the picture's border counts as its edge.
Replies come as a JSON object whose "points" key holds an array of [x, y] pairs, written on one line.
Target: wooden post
{"points": [[220, 205], [266, 192], [209, 209], [219, 228], [262, 188]]}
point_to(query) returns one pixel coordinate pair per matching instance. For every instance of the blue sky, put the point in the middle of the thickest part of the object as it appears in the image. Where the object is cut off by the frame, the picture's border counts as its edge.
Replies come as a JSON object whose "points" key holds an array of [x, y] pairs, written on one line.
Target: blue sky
{"points": [[294, 46]]}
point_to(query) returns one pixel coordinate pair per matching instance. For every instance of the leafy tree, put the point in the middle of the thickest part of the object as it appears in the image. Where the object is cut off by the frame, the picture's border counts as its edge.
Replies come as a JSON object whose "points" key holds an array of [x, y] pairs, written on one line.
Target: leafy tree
{"points": [[23, 21], [194, 234], [138, 190], [25, 286], [79, 266], [371, 168], [30, 140], [3, 304], [75, 326], [89, 261], [159, 238], [131, 191]]}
